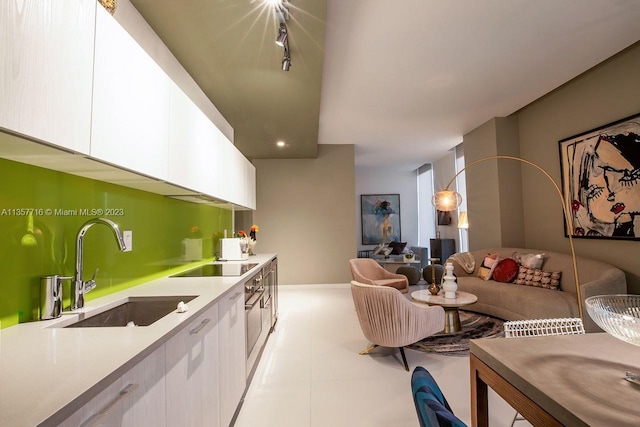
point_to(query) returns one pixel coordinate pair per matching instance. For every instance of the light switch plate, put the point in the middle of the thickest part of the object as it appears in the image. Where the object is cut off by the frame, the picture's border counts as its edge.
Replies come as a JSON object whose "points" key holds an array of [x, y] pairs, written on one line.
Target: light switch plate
{"points": [[127, 235]]}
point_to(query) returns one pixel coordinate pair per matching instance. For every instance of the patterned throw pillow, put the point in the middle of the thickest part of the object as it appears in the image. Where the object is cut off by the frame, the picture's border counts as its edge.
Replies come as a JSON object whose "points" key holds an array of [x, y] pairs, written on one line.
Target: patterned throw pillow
{"points": [[529, 260], [488, 264], [538, 278], [506, 271]]}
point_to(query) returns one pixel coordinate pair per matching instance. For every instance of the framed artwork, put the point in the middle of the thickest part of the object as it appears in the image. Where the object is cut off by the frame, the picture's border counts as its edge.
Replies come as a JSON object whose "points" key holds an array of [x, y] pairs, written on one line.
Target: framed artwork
{"points": [[601, 179], [380, 218], [444, 218]]}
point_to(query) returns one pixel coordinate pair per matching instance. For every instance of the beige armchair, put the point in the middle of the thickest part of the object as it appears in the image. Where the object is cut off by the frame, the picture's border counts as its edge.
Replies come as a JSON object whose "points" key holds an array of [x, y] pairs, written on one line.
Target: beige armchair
{"points": [[389, 319], [367, 270]]}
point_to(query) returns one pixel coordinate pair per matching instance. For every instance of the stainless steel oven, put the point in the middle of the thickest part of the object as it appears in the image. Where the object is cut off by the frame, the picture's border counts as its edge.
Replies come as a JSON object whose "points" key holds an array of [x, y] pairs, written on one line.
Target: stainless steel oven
{"points": [[261, 299], [253, 294], [270, 304]]}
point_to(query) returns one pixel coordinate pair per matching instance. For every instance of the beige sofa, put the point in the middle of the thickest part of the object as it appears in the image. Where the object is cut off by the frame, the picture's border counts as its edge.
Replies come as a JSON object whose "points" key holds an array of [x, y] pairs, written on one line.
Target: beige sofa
{"points": [[509, 301]]}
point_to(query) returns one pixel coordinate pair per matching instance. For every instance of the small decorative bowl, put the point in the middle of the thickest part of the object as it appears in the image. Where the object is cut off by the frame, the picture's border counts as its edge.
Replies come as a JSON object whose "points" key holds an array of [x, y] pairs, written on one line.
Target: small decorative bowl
{"points": [[618, 315]]}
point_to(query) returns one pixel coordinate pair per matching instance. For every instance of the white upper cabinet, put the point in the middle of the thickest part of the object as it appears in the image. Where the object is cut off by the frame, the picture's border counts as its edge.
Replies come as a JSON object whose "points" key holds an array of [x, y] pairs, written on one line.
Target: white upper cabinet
{"points": [[192, 145], [201, 157], [130, 103], [71, 76], [234, 169], [245, 176], [46, 67], [250, 186]]}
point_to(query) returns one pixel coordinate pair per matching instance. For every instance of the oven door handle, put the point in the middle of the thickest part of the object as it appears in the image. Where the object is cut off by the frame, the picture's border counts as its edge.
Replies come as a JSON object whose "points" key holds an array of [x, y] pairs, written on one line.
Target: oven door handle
{"points": [[267, 303], [255, 298]]}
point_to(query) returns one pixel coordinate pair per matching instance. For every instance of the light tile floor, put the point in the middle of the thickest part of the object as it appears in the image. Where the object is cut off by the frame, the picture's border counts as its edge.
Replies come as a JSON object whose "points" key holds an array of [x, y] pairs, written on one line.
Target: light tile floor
{"points": [[311, 373]]}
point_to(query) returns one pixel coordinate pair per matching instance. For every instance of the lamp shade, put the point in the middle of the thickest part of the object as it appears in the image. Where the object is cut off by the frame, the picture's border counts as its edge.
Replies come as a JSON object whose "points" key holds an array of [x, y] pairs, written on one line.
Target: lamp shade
{"points": [[463, 221], [446, 200]]}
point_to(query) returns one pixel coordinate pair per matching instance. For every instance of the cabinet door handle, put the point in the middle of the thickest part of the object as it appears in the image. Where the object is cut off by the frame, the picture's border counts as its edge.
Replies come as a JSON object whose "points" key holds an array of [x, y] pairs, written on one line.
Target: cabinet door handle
{"points": [[199, 327], [235, 296], [97, 418]]}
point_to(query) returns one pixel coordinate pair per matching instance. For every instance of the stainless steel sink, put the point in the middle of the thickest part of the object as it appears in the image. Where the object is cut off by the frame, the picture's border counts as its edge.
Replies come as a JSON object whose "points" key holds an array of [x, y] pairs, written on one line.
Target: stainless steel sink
{"points": [[142, 311]]}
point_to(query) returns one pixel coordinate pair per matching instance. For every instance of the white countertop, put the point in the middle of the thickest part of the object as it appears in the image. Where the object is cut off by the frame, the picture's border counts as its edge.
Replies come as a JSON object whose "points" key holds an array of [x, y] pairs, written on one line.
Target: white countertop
{"points": [[46, 369]]}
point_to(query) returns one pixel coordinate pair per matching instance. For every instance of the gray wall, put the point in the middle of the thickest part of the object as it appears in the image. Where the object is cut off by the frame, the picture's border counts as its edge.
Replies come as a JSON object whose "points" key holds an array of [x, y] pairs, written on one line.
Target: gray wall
{"points": [[494, 189], [390, 181], [602, 95], [306, 211], [608, 92]]}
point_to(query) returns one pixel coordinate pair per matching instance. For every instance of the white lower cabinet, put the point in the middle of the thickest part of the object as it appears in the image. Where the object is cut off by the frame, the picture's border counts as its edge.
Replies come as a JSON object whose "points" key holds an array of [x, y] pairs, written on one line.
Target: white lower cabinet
{"points": [[192, 386], [137, 398], [233, 353], [196, 378]]}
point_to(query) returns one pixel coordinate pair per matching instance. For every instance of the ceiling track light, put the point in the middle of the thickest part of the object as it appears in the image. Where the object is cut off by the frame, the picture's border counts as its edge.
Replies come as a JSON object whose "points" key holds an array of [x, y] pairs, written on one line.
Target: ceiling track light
{"points": [[282, 16], [286, 62], [281, 40]]}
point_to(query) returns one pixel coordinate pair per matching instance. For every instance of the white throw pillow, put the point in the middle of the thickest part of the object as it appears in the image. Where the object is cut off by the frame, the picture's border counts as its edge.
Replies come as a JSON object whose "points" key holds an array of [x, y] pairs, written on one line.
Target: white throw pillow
{"points": [[529, 260]]}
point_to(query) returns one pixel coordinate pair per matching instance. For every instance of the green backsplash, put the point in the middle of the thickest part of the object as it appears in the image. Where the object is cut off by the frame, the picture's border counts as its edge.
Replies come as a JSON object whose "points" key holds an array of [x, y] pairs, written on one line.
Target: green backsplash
{"points": [[159, 225]]}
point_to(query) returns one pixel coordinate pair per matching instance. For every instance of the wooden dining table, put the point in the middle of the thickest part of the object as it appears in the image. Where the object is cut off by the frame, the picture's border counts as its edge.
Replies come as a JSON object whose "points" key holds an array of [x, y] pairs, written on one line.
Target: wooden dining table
{"points": [[571, 380]]}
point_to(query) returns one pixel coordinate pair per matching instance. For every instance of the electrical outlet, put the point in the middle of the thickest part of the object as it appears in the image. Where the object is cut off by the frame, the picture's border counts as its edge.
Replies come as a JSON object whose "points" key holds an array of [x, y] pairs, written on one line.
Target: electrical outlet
{"points": [[127, 235]]}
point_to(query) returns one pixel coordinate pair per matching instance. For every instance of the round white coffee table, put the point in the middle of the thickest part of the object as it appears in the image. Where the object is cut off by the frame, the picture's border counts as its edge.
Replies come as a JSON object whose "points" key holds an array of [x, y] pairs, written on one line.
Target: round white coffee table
{"points": [[450, 305]]}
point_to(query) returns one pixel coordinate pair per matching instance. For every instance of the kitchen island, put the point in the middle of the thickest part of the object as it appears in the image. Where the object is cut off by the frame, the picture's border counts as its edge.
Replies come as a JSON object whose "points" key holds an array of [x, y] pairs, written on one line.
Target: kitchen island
{"points": [[50, 374]]}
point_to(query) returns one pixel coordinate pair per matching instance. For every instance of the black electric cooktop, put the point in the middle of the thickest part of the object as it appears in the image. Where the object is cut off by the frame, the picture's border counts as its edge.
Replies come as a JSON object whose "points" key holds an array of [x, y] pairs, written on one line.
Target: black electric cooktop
{"points": [[208, 270]]}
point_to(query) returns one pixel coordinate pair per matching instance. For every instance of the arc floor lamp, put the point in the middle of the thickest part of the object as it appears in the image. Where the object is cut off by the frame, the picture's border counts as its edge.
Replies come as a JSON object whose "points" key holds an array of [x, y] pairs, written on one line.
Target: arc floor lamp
{"points": [[449, 200]]}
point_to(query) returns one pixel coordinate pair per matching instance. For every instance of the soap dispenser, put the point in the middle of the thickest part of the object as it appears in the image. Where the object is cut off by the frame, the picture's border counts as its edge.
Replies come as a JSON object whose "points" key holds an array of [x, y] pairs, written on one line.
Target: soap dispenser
{"points": [[51, 296]]}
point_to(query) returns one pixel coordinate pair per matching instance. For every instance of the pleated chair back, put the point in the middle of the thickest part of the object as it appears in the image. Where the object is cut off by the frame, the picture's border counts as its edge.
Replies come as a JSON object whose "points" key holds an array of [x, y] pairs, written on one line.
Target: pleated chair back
{"points": [[389, 319]]}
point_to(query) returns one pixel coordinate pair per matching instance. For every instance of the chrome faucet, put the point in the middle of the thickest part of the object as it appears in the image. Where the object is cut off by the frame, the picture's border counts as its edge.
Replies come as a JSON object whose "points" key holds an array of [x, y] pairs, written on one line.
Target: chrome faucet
{"points": [[81, 287]]}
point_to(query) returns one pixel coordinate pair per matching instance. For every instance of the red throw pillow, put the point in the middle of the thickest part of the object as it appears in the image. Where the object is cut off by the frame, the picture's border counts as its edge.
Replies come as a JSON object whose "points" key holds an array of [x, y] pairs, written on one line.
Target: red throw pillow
{"points": [[506, 271]]}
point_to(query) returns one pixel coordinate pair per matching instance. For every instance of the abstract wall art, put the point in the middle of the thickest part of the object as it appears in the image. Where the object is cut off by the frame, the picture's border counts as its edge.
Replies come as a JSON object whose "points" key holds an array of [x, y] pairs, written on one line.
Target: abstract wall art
{"points": [[380, 218], [601, 180]]}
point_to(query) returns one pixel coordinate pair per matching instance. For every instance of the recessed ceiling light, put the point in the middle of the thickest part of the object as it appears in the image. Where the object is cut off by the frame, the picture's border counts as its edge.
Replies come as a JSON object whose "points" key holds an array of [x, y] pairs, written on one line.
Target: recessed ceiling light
{"points": [[273, 2], [280, 144]]}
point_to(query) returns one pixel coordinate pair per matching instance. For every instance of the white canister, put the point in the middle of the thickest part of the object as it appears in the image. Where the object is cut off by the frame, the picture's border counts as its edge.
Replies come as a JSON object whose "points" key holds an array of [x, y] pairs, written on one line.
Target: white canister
{"points": [[230, 249], [191, 249]]}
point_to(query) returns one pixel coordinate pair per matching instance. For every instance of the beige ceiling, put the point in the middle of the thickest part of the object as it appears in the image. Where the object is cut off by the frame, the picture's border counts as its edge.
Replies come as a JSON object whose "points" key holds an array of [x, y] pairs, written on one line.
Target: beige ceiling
{"points": [[402, 80], [228, 47]]}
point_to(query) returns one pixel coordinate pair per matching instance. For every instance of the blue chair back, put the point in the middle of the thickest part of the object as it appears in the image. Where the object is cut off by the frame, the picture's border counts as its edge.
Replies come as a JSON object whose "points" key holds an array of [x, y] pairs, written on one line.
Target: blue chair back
{"points": [[431, 406]]}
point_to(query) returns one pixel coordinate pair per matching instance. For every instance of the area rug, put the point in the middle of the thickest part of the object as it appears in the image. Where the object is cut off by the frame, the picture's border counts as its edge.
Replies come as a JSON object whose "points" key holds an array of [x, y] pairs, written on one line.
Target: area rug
{"points": [[474, 326]]}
